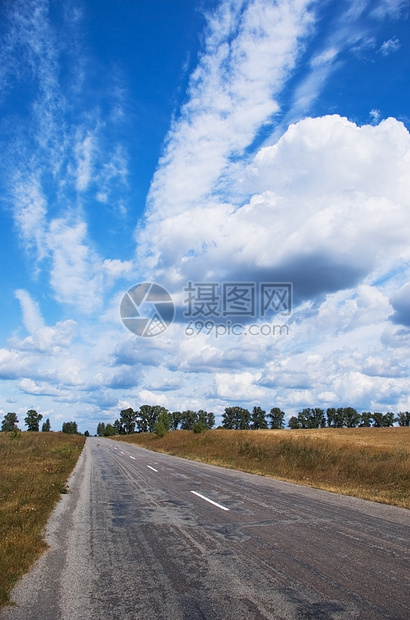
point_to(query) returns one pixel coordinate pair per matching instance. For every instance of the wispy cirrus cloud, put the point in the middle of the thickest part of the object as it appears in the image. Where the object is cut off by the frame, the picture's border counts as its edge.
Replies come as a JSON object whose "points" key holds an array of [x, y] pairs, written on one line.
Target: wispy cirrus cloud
{"points": [[250, 49], [58, 158], [32, 318]]}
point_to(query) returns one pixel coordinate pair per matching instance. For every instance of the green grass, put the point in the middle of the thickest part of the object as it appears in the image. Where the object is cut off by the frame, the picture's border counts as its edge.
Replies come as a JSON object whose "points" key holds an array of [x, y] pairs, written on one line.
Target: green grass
{"points": [[34, 468]]}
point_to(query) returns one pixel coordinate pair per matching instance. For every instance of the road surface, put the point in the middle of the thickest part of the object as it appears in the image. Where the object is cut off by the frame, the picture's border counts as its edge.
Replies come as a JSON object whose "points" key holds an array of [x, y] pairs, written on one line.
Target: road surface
{"points": [[148, 536]]}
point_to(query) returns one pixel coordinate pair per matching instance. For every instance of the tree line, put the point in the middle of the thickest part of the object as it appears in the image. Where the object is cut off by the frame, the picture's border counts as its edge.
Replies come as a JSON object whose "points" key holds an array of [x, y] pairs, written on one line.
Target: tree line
{"points": [[346, 417], [157, 419], [32, 421]]}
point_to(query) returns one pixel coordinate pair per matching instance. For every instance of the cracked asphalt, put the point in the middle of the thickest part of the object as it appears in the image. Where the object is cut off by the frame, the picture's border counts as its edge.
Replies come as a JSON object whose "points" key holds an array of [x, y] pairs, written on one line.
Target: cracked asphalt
{"points": [[147, 536]]}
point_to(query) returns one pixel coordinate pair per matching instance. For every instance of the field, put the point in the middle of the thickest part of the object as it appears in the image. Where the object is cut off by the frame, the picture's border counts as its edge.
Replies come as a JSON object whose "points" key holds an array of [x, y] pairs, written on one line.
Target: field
{"points": [[34, 468], [371, 463]]}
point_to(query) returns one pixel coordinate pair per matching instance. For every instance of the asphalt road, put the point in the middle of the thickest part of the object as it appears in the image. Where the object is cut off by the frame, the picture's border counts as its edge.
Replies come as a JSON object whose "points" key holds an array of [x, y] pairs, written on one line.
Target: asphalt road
{"points": [[148, 536]]}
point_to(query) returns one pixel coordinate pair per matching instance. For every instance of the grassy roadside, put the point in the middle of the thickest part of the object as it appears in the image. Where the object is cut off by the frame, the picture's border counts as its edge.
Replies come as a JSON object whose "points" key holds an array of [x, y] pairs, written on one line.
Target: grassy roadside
{"points": [[34, 468], [371, 463]]}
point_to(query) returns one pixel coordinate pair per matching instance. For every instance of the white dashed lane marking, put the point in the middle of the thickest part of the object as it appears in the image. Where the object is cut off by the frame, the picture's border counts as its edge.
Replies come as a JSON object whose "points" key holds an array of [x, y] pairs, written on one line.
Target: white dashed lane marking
{"points": [[211, 501]]}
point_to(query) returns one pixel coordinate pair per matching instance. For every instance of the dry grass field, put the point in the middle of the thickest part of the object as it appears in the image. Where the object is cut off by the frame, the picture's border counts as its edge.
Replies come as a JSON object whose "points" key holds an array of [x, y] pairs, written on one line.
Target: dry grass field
{"points": [[34, 468], [371, 463]]}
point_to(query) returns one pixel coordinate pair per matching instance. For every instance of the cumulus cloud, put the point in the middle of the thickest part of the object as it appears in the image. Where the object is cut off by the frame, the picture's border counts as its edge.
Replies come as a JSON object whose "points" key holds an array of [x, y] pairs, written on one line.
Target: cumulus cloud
{"points": [[28, 386], [147, 397], [13, 365], [401, 304], [324, 205], [328, 212], [238, 387], [49, 339], [324, 187]]}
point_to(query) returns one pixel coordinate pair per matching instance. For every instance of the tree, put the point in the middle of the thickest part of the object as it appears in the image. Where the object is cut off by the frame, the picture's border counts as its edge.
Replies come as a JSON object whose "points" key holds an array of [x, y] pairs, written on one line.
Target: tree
{"points": [[163, 423], [128, 420], [147, 418], [86, 433], [366, 419], [176, 417], [119, 429], [228, 418], [100, 429], [9, 422], [46, 426], [258, 419], [236, 418], [277, 417], [244, 418], [109, 430], [312, 418], [335, 417], [350, 417], [32, 420], [142, 419], [188, 419], [377, 419], [294, 422], [206, 418], [388, 419], [403, 418], [211, 419], [331, 417], [70, 428]]}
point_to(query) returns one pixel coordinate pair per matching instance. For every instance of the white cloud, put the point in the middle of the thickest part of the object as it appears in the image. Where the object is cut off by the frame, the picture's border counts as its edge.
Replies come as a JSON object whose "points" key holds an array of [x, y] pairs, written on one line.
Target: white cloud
{"points": [[33, 321], [390, 46], [13, 364], [84, 153], [115, 268], [248, 55], [390, 8], [28, 386], [49, 339], [329, 212], [30, 213], [325, 186], [75, 274], [48, 162], [375, 115], [147, 397], [401, 304], [238, 387], [325, 57]]}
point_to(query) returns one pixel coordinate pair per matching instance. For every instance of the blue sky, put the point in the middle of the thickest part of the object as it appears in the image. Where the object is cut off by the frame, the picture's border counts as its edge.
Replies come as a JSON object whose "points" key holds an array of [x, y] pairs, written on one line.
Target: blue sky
{"points": [[204, 141]]}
